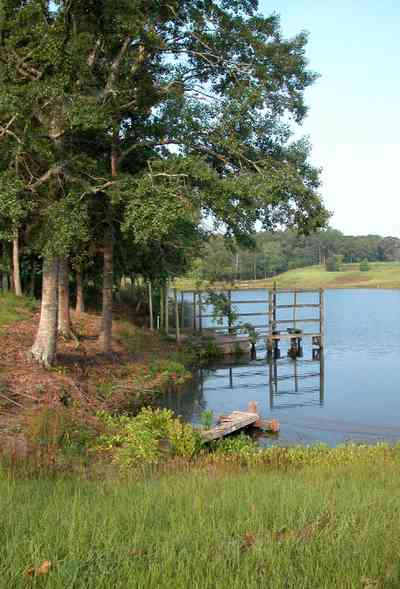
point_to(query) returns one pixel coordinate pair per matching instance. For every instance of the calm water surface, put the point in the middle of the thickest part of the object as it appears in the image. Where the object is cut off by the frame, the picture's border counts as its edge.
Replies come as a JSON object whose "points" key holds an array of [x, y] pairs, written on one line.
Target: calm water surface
{"points": [[357, 396]]}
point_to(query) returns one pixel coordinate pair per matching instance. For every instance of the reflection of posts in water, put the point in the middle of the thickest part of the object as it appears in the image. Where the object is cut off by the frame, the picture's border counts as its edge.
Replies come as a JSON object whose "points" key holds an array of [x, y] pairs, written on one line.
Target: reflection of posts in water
{"points": [[321, 377], [231, 378], [295, 377], [273, 380], [202, 381]]}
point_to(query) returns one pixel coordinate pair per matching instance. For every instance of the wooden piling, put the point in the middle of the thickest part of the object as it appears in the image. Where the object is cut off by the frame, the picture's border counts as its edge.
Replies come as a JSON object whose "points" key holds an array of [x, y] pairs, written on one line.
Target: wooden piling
{"points": [[321, 318], [162, 307], [182, 310], [194, 311], [151, 306], [176, 305], [230, 311], [200, 311], [166, 302], [269, 338]]}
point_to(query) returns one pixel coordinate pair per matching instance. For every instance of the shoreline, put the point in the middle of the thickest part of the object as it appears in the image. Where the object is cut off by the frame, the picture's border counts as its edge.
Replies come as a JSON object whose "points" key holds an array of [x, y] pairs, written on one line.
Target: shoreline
{"points": [[382, 275]]}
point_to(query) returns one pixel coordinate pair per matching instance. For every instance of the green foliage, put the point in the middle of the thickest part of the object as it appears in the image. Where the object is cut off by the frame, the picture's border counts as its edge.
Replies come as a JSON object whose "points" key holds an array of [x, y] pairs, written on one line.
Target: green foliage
{"points": [[206, 352], [240, 446], [122, 81], [57, 439], [151, 437], [275, 253], [207, 418], [334, 264], [222, 308], [13, 308], [364, 265], [330, 527], [250, 330]]}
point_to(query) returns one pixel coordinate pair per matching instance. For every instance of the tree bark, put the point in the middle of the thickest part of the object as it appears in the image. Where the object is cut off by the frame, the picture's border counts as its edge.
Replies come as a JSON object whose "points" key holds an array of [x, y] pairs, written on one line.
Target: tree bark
{"points": [[108, 280], [45, 347], [4, 274], [80, 301], [33, 276], [16, 266], [108, 264], [64, 319]]}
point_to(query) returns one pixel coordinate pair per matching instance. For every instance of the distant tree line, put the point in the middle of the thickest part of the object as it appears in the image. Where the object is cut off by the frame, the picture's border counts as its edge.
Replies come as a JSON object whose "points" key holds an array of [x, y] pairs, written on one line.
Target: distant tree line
{"points": [[273, 253]]}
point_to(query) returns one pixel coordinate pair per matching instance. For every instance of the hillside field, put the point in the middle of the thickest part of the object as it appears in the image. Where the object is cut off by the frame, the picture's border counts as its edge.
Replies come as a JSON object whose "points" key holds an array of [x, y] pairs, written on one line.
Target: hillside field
{"points": [[380, 275]]}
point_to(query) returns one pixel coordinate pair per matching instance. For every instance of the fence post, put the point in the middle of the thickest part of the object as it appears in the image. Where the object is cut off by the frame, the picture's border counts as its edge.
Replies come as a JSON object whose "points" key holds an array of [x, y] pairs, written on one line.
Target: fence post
{"points": [[151, 307], [230, 311], [177, 331], [269, 337], [182, 310], [200, 311], [321, 318], [162, 308], [194, 311], [167, 308]]}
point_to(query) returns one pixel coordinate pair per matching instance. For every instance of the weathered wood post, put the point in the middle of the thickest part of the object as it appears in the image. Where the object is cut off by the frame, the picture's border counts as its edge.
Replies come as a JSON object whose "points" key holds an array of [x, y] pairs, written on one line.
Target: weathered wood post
{"points": [[321, 378], [182, 310], [294, 308], [162, 308], [277, 353], [321, 319], [200, 311], [194, 311], [269, 337], [177, 330], [151, 307], [167, 308], [230, 311]]}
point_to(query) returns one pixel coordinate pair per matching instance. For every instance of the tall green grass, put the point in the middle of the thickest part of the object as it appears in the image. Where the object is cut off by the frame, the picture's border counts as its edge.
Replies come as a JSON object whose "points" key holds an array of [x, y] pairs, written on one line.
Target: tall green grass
{"points": [[318, 527], [13, 308]]}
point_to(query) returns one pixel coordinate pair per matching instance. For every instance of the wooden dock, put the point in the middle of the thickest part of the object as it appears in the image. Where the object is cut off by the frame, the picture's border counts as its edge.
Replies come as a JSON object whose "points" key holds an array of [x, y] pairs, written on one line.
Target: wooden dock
{"points": [[238, 420]]}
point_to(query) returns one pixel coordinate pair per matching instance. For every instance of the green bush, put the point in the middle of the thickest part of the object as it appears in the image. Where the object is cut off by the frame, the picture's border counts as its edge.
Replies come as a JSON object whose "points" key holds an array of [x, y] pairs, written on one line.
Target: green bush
{"points": [[149, 438], [334, 264], [364, 265], [241, 446], [207, 418]]}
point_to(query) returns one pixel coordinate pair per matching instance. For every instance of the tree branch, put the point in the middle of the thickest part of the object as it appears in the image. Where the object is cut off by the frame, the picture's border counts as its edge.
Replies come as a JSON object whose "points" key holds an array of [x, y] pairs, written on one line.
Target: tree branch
{"points": [[115, 67]]}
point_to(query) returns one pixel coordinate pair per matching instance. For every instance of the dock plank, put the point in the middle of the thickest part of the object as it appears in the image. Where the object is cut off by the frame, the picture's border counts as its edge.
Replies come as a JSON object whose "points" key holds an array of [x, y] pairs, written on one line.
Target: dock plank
{"points": [[235, 421]]}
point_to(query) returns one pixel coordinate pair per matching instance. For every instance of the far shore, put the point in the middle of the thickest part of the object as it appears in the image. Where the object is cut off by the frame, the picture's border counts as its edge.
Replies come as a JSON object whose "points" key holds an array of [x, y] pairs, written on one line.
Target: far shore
{"points": [[382, 275]]}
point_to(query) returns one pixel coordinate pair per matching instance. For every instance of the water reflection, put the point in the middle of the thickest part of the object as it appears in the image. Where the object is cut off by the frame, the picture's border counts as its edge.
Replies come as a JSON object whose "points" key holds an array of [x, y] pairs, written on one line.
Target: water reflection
{"points": [[274, 384], [355, 396], [296, 383]]}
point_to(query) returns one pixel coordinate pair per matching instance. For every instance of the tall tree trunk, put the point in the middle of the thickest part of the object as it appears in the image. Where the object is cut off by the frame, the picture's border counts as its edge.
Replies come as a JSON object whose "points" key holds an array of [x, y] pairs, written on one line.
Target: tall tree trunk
{"points": [[4, 273], [80, 301], [45, 347], [64, 319], [108, 280], [33, 276], [108, 264], [16, 266]]}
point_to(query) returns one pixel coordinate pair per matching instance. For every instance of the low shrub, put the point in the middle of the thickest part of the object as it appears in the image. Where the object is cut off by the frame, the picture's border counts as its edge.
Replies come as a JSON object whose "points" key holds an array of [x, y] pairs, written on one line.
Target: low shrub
{"points": [[334, 264], [151, 437], [364, 265], [241, 446]]}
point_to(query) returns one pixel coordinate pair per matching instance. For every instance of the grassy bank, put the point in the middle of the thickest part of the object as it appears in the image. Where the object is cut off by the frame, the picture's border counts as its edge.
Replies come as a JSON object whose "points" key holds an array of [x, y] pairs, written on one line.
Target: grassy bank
{"points": [[14, 308], [318, 527], [380, 275]]}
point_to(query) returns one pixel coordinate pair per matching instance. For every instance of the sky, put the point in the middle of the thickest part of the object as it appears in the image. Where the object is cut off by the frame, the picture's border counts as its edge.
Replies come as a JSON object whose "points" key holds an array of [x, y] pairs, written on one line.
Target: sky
{"points": [[354, 107]]}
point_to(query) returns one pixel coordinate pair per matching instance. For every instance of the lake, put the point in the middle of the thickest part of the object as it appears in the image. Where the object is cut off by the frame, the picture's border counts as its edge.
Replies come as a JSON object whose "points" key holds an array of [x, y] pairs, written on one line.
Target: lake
{"points": [[352, 394]]}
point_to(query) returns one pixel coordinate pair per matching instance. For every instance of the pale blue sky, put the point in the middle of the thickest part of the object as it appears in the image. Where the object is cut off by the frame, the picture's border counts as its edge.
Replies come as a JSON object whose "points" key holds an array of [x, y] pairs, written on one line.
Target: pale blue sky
{"points": [[354, 116]]}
